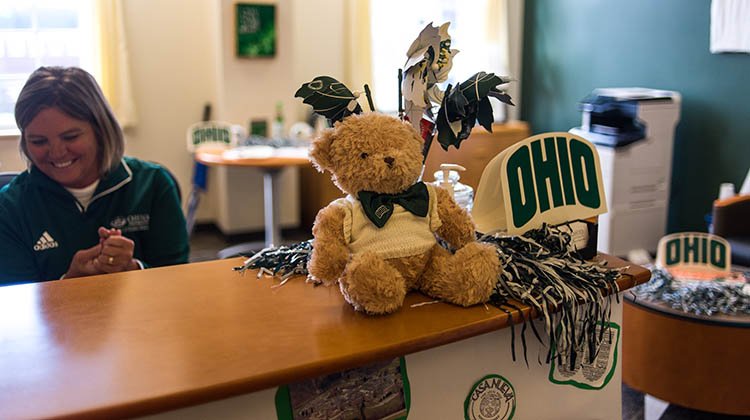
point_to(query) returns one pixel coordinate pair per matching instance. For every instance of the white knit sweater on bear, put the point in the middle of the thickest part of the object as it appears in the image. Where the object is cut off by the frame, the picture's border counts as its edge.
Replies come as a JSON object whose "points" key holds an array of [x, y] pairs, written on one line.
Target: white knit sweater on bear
{"points": [[405, 234]]}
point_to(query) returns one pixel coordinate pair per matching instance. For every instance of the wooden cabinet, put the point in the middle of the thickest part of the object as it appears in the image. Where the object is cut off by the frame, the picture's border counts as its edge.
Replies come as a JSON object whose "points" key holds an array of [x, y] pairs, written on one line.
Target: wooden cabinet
{"points": [[316, 191]]}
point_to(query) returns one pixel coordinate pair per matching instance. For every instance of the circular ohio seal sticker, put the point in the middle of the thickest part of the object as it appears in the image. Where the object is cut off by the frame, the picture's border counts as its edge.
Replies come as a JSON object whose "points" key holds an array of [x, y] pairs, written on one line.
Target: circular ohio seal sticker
{"points": [[491, 398]]}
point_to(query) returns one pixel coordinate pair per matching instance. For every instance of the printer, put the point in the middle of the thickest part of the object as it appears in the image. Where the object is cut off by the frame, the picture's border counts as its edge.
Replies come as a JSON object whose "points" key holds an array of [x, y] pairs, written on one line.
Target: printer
{"points": [[633, 131]]}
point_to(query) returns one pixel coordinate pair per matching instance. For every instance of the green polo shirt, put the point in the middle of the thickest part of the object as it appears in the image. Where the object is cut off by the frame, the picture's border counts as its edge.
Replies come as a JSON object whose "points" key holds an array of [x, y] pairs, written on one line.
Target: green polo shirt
{"points": [[42, 225]]}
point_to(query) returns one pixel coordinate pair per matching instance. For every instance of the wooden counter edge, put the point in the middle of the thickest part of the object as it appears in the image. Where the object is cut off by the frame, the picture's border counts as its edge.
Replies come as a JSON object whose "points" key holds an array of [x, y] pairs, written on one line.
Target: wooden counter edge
{"points": [[497, 320]]}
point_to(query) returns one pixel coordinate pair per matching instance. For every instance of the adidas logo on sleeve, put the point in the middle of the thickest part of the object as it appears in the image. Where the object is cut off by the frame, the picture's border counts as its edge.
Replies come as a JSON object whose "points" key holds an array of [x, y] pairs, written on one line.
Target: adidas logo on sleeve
{"points": [[45, 242]]}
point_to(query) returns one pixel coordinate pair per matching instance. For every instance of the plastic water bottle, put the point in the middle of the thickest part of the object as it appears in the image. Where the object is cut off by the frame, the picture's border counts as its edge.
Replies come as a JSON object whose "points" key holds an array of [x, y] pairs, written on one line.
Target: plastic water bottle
{"points": [[277, 128]]}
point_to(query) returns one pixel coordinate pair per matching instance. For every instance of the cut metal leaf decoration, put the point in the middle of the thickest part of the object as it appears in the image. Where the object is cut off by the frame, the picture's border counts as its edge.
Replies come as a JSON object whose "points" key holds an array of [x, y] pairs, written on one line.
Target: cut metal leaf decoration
{"points": [[467, 104], [429, 60], [329, 98], [426, 43]]}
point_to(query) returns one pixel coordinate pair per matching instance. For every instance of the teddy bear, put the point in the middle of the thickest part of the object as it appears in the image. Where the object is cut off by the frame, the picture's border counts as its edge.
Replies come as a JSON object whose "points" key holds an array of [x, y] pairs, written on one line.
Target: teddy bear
{"points": [[380, 241]]}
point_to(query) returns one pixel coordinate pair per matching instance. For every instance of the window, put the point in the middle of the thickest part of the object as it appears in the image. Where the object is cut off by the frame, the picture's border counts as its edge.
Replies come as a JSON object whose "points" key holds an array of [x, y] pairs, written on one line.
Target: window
{"points": [[477, 30], [34, 33]]}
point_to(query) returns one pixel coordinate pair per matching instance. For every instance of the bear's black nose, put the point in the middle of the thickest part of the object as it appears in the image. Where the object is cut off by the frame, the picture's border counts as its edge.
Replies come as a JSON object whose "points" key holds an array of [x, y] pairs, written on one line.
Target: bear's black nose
{"points": [[389, 160]]}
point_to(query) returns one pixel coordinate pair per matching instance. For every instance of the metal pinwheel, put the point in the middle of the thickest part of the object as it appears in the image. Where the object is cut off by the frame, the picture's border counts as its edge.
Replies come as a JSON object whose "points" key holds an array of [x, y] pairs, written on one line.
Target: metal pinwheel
{"points": [[429, 60], [329, 98]]}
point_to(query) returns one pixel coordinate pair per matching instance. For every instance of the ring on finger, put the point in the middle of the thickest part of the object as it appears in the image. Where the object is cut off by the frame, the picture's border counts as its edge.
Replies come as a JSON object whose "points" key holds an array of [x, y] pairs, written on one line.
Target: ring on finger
{"points": [[111, 260]]}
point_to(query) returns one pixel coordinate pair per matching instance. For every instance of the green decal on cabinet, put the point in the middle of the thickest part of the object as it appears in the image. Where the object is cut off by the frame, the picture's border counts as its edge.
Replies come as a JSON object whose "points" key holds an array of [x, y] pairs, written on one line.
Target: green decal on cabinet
{"points": [[491, 398], [592, 375]]}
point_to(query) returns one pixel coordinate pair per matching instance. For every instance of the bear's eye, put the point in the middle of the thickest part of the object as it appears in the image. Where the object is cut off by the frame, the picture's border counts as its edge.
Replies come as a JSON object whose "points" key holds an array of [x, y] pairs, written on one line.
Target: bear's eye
{"points": [[364, 155]]}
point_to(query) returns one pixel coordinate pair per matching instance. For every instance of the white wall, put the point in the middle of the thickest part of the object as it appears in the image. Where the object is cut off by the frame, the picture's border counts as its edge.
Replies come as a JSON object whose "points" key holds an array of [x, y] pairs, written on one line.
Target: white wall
{"points": [[10, 157], [182, 56], [319, 42], [173, 47]]}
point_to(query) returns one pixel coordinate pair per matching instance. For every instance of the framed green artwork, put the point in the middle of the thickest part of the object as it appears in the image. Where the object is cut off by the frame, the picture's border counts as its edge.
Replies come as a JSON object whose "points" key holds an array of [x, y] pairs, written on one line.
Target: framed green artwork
{"points": [[255, 30]]}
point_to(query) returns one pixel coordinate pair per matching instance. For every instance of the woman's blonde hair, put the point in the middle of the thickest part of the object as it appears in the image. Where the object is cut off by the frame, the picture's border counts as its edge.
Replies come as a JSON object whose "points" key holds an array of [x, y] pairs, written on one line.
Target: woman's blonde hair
{"points": [[76, 93]]}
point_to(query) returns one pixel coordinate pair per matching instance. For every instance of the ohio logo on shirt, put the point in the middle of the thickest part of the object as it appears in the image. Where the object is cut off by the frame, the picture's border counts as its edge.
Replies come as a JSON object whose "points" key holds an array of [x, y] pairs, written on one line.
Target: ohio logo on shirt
{"points": [[45, 242], [131, 222]]}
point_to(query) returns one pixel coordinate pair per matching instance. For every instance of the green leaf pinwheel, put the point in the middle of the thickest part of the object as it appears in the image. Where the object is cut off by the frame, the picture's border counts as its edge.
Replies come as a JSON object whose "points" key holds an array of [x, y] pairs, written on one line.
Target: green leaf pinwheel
{"points": [[468, 103], [329, 98]]}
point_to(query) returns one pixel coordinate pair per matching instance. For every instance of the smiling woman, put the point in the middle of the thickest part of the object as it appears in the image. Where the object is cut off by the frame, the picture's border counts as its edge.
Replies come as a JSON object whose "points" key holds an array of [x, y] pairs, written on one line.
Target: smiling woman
{"points": [[82, 208], [63, 148]]}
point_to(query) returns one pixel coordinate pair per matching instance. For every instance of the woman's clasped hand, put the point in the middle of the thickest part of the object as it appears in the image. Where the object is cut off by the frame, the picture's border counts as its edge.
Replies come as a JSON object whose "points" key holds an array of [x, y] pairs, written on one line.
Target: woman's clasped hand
{"points": [[113, 254]]}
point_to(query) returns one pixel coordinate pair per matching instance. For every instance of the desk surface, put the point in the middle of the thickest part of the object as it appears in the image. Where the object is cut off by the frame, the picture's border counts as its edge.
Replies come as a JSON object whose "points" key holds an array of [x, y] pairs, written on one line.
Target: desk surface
{"points": [[141, 342], [255, 156]]}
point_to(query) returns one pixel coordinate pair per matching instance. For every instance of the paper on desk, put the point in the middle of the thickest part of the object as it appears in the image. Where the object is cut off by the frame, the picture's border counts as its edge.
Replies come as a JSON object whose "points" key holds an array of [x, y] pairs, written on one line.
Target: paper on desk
{"points": [[249, 152], [265, 152], [292, 152]]}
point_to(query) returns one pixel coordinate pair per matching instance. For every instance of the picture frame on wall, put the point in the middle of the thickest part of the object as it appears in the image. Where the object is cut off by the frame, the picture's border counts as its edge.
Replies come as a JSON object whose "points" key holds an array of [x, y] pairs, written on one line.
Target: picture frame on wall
{"points": [[255, 30]]}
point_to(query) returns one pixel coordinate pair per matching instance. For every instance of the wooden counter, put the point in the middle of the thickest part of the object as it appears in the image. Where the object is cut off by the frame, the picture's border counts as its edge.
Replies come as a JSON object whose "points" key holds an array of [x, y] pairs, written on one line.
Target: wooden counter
{"points": [[148, 341]]}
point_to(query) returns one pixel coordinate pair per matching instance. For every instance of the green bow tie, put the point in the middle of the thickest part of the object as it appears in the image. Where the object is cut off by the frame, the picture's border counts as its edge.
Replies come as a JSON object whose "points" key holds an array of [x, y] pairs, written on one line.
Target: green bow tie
{"points": [[379, 207]]}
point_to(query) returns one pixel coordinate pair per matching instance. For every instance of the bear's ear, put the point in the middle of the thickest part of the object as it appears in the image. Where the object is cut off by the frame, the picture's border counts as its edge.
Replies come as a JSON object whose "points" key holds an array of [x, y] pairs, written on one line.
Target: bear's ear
{"points": [[320, 152]]}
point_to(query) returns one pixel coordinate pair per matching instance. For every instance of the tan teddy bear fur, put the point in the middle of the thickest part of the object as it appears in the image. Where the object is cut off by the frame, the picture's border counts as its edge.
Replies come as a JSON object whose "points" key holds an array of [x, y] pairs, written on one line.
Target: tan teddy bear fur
{"points": [[375, 152]]}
